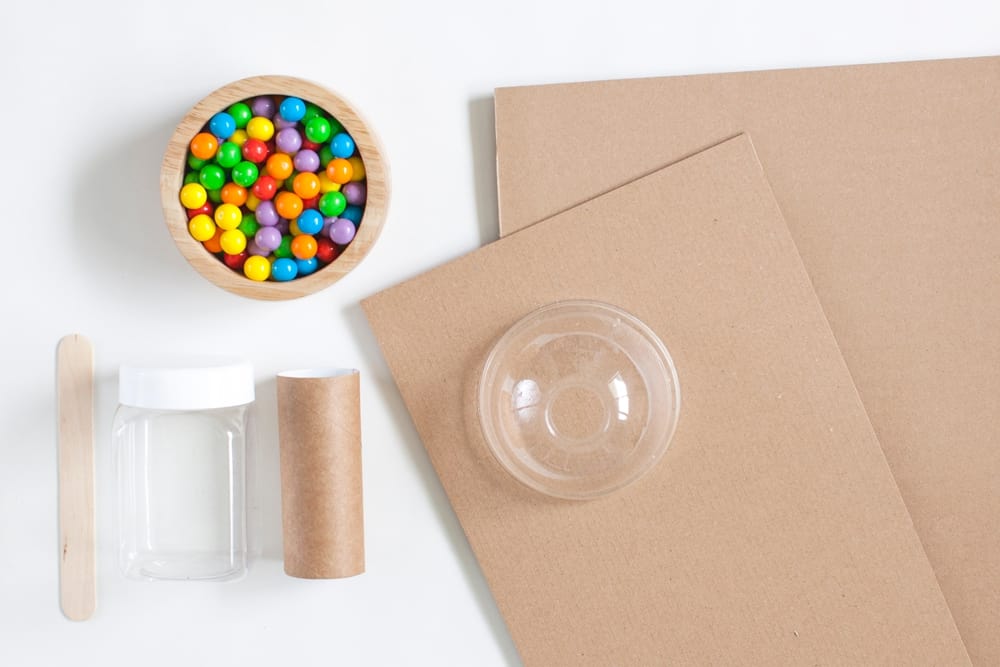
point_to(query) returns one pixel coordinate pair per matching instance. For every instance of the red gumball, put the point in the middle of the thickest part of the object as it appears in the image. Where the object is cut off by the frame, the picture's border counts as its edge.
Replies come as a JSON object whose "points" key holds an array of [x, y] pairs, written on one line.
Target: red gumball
{"points": [[255, 151], [265, 187], [235, 262], [207, 208], [326, 250], [310, 145], [312, 202]]}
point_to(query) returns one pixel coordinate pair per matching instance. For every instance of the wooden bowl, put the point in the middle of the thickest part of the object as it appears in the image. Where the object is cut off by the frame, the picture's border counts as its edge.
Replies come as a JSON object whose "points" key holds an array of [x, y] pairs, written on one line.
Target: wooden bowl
{"points": [[368, 147]]}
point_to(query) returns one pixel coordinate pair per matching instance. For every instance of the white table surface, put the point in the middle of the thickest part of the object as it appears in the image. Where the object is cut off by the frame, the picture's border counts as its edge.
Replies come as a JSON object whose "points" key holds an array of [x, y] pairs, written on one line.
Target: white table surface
{"points": [[91, 91]]}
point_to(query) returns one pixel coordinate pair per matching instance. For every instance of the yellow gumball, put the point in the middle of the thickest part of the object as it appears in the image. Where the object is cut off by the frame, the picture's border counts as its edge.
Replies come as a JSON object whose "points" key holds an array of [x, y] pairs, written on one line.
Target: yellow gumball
{"points": [[359, 168], [260, 128], [326, 185], [252, 202], [293, 227], [233, 242], [228, 216], [193, 195], [202, 227], [239, 137], [257, 268]]}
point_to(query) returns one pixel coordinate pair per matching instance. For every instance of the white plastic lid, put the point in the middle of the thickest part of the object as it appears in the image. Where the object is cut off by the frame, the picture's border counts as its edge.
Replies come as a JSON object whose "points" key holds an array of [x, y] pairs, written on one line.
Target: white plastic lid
{"points": [[213, 383]]}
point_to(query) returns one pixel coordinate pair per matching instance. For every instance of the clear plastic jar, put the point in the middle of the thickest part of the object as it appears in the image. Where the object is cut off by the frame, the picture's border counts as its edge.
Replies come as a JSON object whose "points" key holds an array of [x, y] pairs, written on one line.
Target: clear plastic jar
{"points": [[180, 447]]}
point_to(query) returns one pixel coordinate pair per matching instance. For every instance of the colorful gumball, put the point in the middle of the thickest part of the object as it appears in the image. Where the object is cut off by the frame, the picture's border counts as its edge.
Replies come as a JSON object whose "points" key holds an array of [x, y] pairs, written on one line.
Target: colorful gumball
{"points": [[257, 268], [234, 194], [342, 145], [241, 114], [249, 225], [235, 262], [288, 205], [310, 222], [359, 168], [212, 245], [202, 227], [263, 106], [245, 173], [307, 266], [353, 213], [267, 214], [212, 177], [326, 250], [228, 155], [222, 125], [193, 195], [228, 216], [306, 160], [342, 231], [195, 163], [318, 129], [233, 242], [339, 170], [260, 128], [252, 199], [325, 184], [204, 145], [325, 155], [292, 109], [284, 269], [205, 208], [239, 137], [265, 187], [215, 196], [284, 249], [279, 166], [355, 193], [254, 150], [304, 246], [311, 202], [268, 238], [306, 185], [288, 140], [332, 204], [191, 177]]}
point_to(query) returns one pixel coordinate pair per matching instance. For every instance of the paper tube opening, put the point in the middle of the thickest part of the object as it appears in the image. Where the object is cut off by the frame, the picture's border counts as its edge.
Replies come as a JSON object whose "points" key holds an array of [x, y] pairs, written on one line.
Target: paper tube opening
{"points": [[319, 432]]}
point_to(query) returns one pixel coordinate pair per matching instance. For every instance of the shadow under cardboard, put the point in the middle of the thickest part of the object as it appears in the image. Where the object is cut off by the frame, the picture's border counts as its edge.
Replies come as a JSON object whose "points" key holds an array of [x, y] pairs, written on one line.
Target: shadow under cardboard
{"points": [[482, 135], [391, 398]]}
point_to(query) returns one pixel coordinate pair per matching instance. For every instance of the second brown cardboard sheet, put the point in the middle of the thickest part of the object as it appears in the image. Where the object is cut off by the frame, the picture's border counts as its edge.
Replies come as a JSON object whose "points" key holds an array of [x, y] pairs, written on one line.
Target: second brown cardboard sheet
{"points": [[771, 532], [889, 178]]}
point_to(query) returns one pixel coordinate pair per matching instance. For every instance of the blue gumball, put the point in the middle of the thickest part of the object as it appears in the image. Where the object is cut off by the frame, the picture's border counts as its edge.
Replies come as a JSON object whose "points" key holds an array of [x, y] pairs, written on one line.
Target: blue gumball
{"points": [[307, 266], [292, 109], [342, 145], [353, 213], [310, 222], [284, 269], [222, 125]]}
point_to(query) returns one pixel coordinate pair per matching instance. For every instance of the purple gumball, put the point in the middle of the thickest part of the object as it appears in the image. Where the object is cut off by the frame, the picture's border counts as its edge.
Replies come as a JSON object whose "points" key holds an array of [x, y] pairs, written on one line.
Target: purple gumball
{"points": [[282, 226], [342, 231], [306, 160], [355, 193], [288, 140], [267, 215], [254, 249], [263, 106], [281, 124], [268, 238]]}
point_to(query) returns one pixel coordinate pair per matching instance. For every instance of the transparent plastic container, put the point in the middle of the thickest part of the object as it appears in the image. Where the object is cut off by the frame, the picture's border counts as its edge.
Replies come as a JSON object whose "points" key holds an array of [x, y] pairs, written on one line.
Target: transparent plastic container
{"points": [[180, 440], [578, 399]]}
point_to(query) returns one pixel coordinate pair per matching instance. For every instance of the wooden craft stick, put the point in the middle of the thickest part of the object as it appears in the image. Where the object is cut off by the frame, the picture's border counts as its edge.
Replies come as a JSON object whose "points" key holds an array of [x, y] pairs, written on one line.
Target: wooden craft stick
{"points": [[75, 396]]}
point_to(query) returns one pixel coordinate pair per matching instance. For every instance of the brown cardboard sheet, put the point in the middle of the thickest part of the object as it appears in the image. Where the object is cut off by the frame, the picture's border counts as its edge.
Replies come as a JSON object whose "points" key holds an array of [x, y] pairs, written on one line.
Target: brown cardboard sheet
{"points": [[770, 533], [889, 178]]}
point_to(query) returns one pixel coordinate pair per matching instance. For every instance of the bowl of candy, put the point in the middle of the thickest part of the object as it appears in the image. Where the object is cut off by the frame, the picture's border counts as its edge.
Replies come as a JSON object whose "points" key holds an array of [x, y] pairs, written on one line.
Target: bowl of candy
{"points": [[274, 187]]}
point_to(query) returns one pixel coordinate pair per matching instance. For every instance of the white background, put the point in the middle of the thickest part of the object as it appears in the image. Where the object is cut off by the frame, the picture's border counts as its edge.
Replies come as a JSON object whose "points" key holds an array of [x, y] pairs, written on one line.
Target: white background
{"points": [[90, 93]]}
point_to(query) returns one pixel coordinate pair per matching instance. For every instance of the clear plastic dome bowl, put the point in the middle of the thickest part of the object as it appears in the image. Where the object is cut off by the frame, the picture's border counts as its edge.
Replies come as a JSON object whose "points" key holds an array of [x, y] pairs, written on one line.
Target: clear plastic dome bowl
{"points": [[578, 399]]}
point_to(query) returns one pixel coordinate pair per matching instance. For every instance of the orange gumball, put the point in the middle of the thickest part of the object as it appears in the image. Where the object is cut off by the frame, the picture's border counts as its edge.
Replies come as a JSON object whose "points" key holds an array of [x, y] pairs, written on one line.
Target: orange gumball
{"points": [[214, 244], [279, 166], [304, 246], [288, 205], [234, 194], [306, 185], [339, 170], [204, 145]]}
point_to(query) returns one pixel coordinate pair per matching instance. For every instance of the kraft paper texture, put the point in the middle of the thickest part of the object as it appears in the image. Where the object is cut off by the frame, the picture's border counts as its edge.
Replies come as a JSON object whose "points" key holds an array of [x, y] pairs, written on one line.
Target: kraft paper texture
{"points": [[771, 532]]}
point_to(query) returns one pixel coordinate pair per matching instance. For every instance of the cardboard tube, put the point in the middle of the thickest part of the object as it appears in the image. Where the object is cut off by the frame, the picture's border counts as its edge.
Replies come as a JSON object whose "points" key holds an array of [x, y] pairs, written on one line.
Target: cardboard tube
{"points": [[319, 431]]}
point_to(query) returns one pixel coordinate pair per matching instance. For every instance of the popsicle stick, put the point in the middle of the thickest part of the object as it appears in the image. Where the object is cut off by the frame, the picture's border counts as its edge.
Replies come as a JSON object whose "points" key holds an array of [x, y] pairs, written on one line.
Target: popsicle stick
{"points": [[75, 396]]}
